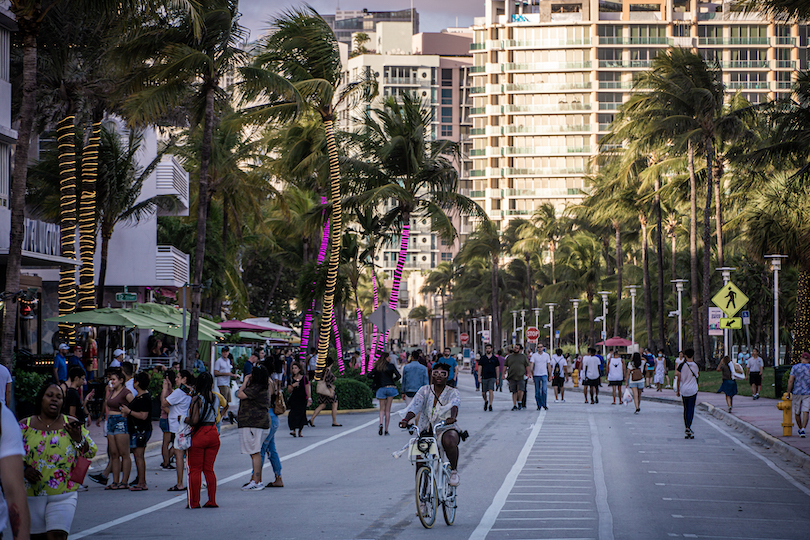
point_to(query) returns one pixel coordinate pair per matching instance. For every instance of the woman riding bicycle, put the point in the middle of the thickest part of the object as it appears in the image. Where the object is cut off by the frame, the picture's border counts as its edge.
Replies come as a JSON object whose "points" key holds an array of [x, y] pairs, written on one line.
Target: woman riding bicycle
{"points": [[435, 403]]}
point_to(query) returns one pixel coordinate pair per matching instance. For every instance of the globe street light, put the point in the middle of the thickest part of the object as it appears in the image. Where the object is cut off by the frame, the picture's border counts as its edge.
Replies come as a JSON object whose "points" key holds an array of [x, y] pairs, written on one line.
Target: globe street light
{"points": [[679, 285], [633, 289], [776, 264], [604, 295], [575, 301]]}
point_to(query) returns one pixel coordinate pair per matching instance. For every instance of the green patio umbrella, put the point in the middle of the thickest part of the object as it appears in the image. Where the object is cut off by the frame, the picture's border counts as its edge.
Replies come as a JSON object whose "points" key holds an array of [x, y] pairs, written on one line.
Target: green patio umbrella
{"points": [[111, 317], [175, 317]]}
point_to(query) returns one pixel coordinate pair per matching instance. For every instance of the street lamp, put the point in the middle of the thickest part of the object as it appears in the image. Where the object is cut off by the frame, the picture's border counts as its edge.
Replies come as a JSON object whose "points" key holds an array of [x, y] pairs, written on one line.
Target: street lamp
{"points": [[514, 327], [536, 317], [776, 264], [475, 339], [604, 295], [633, 289], [575, 301], [551, 323], [726, 272], [679, 285], [523, 328]]}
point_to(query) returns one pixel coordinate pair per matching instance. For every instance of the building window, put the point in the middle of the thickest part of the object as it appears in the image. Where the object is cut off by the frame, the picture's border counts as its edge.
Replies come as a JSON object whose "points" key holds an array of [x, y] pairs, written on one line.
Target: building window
{"points": [[447, 77], [447, 96], [447, 115], [447, 257], [681, 30], [447, 131]]}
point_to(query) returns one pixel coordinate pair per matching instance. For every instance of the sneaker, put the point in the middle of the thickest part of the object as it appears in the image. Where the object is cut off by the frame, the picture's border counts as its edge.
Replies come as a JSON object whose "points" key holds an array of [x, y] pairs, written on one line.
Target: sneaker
{"points": [[253, 486], [546, 408], [486, 404], [490, 408], [802, 434], [453, 480], [82, 487], [514, 407], [562, 401], [99, 478], [557, 400]]}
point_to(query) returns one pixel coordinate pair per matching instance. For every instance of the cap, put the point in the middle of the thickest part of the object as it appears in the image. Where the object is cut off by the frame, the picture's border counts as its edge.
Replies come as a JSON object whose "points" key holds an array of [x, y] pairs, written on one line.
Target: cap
{"points": [[118, 352], [63, 346], [805, 355]]}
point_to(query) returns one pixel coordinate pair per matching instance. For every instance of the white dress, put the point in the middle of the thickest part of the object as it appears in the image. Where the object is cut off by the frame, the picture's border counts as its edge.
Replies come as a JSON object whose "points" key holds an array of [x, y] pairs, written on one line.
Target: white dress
{"points": [[660, 370]]}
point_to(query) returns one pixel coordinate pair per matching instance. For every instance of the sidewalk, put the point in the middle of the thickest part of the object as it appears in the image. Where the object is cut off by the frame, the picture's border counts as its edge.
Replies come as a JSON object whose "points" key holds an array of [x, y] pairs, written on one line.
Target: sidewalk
{"points": [[760, 419]]}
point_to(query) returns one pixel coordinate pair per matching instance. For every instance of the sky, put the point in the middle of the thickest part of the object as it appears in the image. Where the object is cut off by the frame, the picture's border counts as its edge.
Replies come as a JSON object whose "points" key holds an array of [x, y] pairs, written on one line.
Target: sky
{"points": [[433, 16]]}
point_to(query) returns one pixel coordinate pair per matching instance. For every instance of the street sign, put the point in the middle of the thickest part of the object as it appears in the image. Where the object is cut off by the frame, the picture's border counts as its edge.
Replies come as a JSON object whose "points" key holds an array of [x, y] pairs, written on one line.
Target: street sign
{"points": [[715, 314], [556, 334], [384, 318], [746, 317], [485, 336], [730, 299], [126, 297], [465, 337], [604, 334], [734, 323], [532, 334]]}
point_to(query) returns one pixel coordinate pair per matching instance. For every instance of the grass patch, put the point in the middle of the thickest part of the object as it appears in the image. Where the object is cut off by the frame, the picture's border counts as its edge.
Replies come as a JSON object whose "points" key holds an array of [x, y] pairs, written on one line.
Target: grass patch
{"points": [[710, 381]]}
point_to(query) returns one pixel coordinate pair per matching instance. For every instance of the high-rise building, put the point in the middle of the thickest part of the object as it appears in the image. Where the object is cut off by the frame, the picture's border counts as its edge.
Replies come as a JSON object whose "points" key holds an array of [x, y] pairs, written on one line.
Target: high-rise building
{"points": [[345, 23], [549, 76]]}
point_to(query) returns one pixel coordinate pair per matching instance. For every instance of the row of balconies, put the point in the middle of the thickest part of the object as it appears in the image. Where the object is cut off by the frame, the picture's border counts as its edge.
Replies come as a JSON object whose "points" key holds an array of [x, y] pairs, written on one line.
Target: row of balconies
{"points": [[511, 193], [493, 151], [499, 172], [508, 44]]}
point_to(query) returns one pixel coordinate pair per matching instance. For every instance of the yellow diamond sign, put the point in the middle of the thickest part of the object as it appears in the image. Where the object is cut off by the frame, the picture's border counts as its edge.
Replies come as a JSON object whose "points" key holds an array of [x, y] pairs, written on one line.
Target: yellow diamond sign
{"points": [[730, 299]]}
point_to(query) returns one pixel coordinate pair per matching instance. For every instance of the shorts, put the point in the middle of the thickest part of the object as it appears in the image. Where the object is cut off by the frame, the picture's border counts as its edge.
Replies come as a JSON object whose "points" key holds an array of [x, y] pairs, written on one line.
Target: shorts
{"points": [[226, 393], [488, 385], [593, 382], [387, 392], [139, 439], [615, 383], [636, 384], [559, 382], [755, 377], [116, 425], [517, 386], [410, 394], [251, 439], [164, 425], [52, 512], [801, 403]]}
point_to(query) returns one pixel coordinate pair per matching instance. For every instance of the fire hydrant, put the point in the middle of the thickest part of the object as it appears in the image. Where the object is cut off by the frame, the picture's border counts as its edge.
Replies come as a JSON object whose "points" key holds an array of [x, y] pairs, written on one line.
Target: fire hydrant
{"points": [[575, 376], [787, 419]]}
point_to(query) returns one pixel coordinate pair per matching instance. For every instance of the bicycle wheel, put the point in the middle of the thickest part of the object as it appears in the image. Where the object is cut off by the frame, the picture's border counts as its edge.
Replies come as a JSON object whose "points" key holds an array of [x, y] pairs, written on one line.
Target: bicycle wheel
{"points": [[449, 503], [426, 497]]}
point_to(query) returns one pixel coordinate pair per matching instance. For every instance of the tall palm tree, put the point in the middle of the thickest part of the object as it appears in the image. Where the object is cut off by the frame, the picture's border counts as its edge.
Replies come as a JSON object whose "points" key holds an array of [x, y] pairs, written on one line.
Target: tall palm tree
{"points": [[552, 228], [441, 280]]}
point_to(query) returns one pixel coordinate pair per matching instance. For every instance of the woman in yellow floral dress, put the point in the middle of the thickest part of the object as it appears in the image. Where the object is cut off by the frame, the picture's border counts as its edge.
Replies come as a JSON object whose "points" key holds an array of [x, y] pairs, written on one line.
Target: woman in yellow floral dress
{"points": [[52, 442]]}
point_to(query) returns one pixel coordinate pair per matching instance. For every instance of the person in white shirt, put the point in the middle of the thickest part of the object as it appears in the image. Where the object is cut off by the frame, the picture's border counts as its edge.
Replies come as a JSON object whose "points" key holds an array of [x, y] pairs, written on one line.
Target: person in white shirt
{"points": [[176, 405], [590, 368], [223, 371], [755, 365], [5, 383], [688, 389], [129, 383], [616, 374], [312, 363], [558, 369], [539, 365], [118, 357]]}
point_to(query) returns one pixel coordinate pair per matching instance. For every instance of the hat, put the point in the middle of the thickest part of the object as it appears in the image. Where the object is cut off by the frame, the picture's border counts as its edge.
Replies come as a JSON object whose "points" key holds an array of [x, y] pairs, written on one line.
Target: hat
{"points": [[805, 355], [118, 352], [63, 346]]}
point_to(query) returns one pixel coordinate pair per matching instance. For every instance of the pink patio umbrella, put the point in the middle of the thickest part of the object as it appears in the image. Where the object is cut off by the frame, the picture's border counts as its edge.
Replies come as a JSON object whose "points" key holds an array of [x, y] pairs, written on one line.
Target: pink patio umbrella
{"points": [[239, 326], [616, 341]]}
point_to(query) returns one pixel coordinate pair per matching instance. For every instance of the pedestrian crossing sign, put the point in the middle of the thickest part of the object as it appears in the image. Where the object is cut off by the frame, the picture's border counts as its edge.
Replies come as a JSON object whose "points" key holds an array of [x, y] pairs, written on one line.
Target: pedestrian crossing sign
{"points": [[730, 299], [734, 323]]}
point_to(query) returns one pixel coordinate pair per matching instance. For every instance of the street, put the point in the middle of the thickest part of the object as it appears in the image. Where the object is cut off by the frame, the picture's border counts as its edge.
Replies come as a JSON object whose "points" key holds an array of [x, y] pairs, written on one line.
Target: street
{"points": [[576, 471]]}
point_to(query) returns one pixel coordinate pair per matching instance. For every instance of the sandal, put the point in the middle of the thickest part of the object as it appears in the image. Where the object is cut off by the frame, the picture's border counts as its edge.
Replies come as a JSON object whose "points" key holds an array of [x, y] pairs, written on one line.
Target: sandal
{"points": [[112, 486], [292, 433], [337, 425], [175, 488], [121, 485], [138, 488]]}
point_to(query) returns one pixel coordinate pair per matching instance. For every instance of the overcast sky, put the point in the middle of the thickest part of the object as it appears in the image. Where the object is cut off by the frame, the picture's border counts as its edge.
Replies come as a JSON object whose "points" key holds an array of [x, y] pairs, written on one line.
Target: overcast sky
{"points": [[433, 15]]}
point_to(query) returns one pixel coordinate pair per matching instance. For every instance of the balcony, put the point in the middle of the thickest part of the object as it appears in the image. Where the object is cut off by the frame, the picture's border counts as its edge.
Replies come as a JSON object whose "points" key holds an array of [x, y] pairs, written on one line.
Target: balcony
{"points": [[477, 69], [171, 266], [545, 192], [763, 41], [401, 80], [477, 194], [609, 106], [612, 85], [543, 172], [518, 212], [786, 64], [477, 46], [745, 64], [545, 150], [546, 43], [746, 85], [545, 129], [477, 131], [634, 40], [785, 41], [540, 87], [172, 179], [547, 66], [546, 108], [782, 85]]}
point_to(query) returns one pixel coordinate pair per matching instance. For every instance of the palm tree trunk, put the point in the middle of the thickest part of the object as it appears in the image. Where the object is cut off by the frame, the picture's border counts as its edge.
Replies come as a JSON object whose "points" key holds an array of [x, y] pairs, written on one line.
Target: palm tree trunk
{"points": [[553, 249], [496, 304], [360, 332], [645, 263], [66, 136], [617, 227], [659, 249], [707, 251], [102, 270], [334, 255], [202, 225], [87, 221], [693, 264], [718, 210], [532, 298]]}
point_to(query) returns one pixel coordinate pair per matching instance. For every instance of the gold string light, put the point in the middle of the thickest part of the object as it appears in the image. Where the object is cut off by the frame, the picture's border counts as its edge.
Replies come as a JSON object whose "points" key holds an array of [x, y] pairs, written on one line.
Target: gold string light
{"points": [[67, 210], [87, 221]]}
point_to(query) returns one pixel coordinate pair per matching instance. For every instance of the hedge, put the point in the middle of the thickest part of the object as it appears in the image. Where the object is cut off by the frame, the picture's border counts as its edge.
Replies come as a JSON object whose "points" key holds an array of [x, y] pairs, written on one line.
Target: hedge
{"points": [[353, 394]]}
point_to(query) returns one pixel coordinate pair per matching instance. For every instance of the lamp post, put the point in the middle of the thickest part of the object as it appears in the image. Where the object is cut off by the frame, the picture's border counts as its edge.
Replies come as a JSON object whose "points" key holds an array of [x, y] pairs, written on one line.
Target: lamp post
{"points": [[523, 328], [514, 327], [633, 289], [776, 264], [726, 273], [575, 301], [536, 317], [679, 285], [551, 324], [475, 339], [604, 295]]}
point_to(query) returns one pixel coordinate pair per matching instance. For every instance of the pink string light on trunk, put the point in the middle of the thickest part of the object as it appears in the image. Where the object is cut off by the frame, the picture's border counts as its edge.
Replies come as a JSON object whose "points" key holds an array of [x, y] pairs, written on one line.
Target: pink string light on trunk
{"points": [[309, 318], [338, 346], [403, 253], [362, 341]]}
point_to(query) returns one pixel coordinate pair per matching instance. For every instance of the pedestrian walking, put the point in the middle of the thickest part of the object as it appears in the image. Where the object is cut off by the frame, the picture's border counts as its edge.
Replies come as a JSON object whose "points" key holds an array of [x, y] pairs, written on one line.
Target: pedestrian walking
{"points": [[384, 378], [688, 373], [60, 370], [269, 444], [53, 442], [202, 454], [169, 383], [177, 403], [559, 374], [616, 373], [138, 413], [755, 365], [798, 390], [660, 371], [299, 399], [117, 435], [539, 367], [729, 385], [649, 367], [325, 400], [13, 496], [223, 371], [312, 363], [502, 362], [254, 421], [517, 368], [489, 372], [448, 358], [635, 380], [593, 380], [414, 377]]}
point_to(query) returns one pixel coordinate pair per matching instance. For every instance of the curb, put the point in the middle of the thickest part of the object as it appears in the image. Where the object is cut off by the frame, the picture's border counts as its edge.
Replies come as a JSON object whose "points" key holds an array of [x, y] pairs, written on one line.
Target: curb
{"points": [[766, 439]]}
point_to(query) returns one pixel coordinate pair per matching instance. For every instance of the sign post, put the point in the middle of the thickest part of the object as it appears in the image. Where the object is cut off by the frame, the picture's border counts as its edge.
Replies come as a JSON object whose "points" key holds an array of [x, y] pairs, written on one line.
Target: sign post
{"points": [[731, 300], [532, 334], [464, 337], [746, 319]]}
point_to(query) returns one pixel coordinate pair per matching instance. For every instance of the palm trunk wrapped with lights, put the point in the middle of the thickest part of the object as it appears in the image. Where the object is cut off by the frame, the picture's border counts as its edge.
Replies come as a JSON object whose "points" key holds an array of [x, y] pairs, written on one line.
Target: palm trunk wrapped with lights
{"points": [[372, 357], [87, 221], [334, 255], [66, 137], [306, 330], [338, 345], [403, 254]]}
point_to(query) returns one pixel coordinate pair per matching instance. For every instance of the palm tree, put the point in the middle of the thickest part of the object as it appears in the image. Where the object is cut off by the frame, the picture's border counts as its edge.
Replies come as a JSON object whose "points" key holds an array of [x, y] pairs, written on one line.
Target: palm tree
{"points": [[485, 244], [552, 228], [441, 280], [421, 314]]}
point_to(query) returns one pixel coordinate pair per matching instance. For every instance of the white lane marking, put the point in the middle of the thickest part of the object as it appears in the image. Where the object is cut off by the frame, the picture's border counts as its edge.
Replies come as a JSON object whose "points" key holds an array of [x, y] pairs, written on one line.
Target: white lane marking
{"points": [[545, 510], [545, 519], [498, 502], [767, 461], [707, 486], [182, 498], [778, 503], [605, 517]]}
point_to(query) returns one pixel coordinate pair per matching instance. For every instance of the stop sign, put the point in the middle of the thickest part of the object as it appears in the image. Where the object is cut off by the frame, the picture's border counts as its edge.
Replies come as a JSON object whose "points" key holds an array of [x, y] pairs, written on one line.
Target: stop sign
{"points": [[532, 334], [465, 337]]}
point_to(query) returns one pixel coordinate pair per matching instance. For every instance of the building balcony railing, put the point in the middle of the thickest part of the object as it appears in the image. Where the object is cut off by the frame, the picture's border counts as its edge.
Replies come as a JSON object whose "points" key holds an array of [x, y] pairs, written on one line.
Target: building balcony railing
{"points": [[545, 150], [478, 46], [611, 106], [540, 87], [547, 192], [604, 127], [625, 64], [547, 66], [402, 80], [478, 110], [786, 64], [478, 131], [543, 172], [784, 85], [545, 43], [745, 85], [547, 108], [545, 129], [634, 40], [745, 64], [478, 194], [477, 69], [171, 266], [784, 41], [734, 41], [172, 179], [608, 85], [518, 212]]}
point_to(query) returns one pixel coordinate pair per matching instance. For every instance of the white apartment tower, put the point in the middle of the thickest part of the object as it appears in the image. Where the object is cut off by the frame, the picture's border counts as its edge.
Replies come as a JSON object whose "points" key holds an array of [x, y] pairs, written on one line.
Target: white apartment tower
{"points": [[549, 75]]}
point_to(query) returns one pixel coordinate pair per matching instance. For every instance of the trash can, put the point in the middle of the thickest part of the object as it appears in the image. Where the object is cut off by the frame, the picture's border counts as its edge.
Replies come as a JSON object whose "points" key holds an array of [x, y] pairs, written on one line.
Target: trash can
{"points": [[779, 373]]}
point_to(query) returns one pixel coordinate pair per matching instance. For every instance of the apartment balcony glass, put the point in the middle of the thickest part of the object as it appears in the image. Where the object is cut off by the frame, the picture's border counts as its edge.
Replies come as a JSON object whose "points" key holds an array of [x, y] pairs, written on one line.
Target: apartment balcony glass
{"points": [[785, 41], [546, 108], [546, 129], [786, 64], [478, 194], [477, 46], [610, 106], [745, 64], [782, 85], [546, 192], [477, 69], [539, 87], [545, 43], [478, 110], [545, 150], [477, 131], [518, 212], [634, 40], [606, 85], [744, 85], [764, 41], [401, 80], [543, 172], [546, 66]]}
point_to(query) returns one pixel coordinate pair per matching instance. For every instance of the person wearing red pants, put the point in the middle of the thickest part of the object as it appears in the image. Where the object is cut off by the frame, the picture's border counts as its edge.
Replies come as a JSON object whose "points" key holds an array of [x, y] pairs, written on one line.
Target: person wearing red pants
{"points": [[204, 442]]}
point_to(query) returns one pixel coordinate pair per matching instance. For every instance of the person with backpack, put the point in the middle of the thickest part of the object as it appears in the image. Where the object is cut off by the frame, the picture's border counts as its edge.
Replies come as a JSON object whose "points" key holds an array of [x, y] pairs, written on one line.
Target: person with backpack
{"points": [[254, 421], [559, 375], [617, 372], [635, 380], [649, 368], [688, 373]]}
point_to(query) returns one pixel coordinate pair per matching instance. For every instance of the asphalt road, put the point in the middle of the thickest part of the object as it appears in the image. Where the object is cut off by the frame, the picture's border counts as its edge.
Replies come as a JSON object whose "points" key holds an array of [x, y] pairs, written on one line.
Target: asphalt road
{"points": [[575, 471]]}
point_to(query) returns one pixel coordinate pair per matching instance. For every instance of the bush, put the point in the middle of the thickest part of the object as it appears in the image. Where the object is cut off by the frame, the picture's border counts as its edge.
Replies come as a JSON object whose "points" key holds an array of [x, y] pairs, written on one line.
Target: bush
{"points": [[353, 394], [27, 384]]}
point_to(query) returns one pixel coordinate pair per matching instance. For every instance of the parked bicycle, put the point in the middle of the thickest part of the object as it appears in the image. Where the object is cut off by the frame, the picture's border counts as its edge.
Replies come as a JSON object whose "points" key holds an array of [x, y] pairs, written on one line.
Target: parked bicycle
{"points": [[432, 477]]}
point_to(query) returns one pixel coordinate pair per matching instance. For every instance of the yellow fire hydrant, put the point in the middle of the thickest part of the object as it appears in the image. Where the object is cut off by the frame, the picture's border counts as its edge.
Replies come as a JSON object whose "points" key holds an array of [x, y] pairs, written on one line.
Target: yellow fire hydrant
{"points": [[575, 376], [787, 419]]}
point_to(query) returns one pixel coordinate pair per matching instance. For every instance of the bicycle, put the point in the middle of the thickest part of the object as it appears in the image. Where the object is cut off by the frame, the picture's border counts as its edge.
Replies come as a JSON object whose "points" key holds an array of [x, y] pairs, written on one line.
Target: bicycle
{"points": [[432, 471]]}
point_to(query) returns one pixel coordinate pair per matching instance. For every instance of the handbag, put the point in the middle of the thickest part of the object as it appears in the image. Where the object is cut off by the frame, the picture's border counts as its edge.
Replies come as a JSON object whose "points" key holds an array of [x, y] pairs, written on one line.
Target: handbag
{"points": [[737, 371], [183, 439], [324, 389], [279, 407], [636, 371], [79, 470]]}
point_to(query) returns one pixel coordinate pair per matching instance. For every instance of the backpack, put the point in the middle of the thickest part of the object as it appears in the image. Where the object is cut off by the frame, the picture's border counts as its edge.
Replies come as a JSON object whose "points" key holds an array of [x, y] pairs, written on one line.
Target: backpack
{"points": [[557, 369]]}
